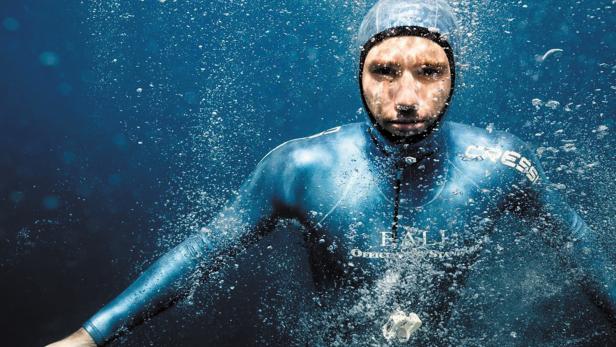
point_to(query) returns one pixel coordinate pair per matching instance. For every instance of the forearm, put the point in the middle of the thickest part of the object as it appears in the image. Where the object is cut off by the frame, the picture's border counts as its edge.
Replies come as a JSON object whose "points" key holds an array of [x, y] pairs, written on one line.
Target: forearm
{"points": [[159, 286], [79, 338], [591, 265], [578, 246], [238, 225], [561, 227], [580, 250]]}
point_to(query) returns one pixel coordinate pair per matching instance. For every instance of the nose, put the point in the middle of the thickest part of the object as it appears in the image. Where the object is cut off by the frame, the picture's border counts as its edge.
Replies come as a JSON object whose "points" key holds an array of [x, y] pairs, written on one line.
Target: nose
{"points": [[406, 109], [407, 100]]}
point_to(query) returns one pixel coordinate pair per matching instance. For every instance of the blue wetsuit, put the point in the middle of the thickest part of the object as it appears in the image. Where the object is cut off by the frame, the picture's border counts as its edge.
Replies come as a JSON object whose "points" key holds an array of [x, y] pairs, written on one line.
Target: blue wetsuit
{"points": [[374, 211], [379, 213]]}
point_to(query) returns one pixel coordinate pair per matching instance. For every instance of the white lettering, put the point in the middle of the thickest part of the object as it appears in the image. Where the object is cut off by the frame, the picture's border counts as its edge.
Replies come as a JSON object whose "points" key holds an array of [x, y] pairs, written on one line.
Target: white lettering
{"points": [[414, 237], [473, 152], [408, 239], [493, 153], [443, 237], [430, 253], [532, 174], [387, 239], [509, 158], [523, 165]]}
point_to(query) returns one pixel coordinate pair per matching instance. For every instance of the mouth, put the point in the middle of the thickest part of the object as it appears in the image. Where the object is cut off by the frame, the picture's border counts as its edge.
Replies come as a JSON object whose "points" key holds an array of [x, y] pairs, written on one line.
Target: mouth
{"points": [[405, 121], [406, 124]]}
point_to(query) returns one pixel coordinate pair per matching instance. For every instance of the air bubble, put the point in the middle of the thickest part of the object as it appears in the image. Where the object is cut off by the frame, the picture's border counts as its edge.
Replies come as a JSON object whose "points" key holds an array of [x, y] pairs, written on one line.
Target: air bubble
{"points": [[552, 104]]}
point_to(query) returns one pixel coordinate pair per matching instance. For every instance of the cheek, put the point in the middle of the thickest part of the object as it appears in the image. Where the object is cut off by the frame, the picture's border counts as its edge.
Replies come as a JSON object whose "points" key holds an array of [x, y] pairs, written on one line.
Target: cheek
{"points": [[445, 88], [392, 90], [373, 92], [440, 92]]}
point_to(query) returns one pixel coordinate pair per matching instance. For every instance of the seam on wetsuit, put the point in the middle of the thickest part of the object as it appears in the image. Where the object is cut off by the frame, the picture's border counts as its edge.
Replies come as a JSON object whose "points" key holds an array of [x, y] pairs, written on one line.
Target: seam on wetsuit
{"points": [[344, 194], [463, 174], [96, 335]]}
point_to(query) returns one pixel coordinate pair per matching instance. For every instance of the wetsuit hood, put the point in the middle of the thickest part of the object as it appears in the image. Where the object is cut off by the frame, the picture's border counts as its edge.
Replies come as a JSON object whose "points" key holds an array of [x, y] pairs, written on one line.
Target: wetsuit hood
{"points": [[431, 19]]}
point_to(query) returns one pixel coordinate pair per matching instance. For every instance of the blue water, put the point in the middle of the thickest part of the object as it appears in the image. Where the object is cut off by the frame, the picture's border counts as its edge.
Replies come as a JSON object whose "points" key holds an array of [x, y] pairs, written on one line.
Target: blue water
{"points": [[124, 125]]}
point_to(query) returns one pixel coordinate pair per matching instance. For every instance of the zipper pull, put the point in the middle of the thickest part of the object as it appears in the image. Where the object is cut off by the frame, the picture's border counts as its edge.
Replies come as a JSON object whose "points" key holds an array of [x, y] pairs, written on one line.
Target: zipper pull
{"points": [[410, 160]]}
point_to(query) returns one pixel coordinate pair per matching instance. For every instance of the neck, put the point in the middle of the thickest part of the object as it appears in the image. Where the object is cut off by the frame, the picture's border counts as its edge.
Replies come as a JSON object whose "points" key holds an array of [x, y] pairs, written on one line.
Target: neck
{"points": [[418, 147]]}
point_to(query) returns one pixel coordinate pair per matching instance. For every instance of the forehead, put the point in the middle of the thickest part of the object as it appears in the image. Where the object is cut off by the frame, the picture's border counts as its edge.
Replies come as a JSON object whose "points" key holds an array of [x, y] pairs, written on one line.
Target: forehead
{"points": [[407, 48]]}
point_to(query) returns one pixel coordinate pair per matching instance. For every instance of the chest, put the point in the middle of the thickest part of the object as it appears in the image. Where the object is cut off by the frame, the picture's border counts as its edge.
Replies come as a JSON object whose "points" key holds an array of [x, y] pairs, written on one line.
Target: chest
{"points": [[367, 219]]}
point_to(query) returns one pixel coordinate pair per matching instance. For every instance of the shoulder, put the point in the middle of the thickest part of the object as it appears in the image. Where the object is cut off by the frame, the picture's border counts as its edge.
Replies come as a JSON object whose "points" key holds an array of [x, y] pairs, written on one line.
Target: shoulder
{"points": [[462, 135], [287, 169], [323, 149], [491, 151]]}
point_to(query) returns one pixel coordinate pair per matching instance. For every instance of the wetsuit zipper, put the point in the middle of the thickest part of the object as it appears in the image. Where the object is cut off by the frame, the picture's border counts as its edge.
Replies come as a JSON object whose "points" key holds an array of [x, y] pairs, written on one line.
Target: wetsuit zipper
{"points": [[397, 188]]}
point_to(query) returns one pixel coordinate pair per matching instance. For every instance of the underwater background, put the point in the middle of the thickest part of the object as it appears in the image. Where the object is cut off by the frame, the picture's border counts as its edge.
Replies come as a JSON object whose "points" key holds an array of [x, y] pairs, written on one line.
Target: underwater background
{"points": [[124, 125]]}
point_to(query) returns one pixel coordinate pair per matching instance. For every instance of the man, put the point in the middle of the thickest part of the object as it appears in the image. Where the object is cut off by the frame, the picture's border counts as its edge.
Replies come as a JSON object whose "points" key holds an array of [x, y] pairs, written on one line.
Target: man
{"points": [[403, 201]]}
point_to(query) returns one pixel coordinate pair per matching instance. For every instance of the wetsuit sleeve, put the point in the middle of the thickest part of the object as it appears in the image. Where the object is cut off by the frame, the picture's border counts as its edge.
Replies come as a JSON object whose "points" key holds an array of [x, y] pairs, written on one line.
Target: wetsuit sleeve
{"points": [[578, 246], [167, 280]]}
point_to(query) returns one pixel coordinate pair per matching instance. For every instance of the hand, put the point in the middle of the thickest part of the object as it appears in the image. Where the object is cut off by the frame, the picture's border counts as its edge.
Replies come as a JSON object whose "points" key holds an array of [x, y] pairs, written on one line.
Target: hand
{"points": [[79, 338]]}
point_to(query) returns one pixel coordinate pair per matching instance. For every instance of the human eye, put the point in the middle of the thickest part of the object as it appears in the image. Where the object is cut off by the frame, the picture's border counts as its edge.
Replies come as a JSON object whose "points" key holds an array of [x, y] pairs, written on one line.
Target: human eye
{"points": [[431, 71], [385, 70]]}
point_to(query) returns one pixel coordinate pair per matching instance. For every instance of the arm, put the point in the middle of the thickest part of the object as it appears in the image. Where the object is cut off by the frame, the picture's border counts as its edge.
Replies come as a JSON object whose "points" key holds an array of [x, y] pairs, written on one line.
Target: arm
{"points": [[241, 223], [79, 338], [578, 246]]}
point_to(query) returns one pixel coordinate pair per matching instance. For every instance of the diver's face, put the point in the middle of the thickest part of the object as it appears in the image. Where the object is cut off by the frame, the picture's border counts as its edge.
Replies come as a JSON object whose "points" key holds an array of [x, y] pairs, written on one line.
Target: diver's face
{"points": [[406, 84]]}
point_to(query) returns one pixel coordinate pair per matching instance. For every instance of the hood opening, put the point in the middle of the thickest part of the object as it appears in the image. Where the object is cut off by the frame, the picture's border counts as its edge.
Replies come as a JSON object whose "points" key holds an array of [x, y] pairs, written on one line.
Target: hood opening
{"points": [[431, 19], [406, 31]]}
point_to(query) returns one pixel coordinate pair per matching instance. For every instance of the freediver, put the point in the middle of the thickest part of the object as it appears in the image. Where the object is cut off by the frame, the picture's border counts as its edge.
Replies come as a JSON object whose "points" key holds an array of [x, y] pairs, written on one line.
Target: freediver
{"points": [[403, 185]]}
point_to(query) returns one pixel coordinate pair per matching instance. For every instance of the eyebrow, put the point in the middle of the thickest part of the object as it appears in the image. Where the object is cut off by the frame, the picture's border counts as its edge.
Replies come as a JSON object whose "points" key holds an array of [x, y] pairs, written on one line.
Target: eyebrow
{"points": [[438, 64], [434, 63], [384, 62]]}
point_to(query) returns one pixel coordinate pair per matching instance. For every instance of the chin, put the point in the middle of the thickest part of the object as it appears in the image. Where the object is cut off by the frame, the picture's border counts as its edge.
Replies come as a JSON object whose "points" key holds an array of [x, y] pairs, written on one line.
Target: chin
{"points": [[408, 133]]}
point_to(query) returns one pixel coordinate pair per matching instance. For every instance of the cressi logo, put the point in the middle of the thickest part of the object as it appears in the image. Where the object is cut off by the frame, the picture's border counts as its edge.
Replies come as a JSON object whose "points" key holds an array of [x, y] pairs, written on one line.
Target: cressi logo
{"points": [[508, 158]]}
